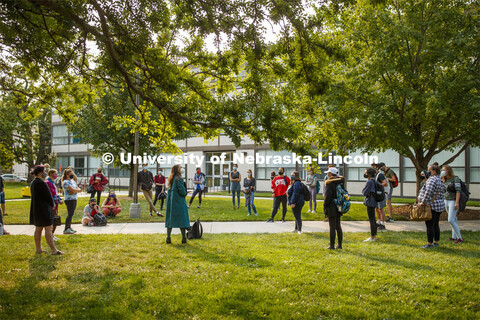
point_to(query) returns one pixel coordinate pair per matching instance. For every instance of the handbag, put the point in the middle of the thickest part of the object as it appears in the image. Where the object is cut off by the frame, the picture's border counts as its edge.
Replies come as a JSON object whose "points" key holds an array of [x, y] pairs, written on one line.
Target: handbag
{"points": [[421, 213], [57, 221]]}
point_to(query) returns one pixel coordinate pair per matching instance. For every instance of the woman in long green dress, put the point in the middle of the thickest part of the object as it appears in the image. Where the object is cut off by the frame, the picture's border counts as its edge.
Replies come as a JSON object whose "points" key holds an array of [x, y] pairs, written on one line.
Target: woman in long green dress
{"points": [[177, 210]]}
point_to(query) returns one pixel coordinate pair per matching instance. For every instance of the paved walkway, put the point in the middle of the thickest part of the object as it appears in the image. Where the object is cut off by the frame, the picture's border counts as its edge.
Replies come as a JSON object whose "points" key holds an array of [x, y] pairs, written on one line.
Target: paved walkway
{"points": [[245, 227]]}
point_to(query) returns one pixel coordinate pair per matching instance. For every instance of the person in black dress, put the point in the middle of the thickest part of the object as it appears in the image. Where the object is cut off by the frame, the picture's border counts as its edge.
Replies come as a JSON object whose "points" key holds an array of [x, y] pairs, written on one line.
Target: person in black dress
{"points": [[41, 210]]}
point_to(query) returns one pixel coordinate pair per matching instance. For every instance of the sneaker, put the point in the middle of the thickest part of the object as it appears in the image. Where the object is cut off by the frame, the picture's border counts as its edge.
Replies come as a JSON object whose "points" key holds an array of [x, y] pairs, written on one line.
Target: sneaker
{"points": [[238, 207], [90, 224], [299, 232], [256, 214], [370, 240], [74, 231], [283, 220], [151, 214], [198, 207], [270, 220], [381, 227], [339, 248], [159, 214], [427, 246], [295, 231], [308, 211], [249, 214], [68, 231], [436, 245], [390, 219], [452, 239], [458, 241], [330, 248], [55, 238]]}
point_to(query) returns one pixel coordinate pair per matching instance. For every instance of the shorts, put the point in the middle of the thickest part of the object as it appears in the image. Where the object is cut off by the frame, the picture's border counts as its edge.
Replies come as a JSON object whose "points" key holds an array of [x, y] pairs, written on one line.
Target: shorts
{"points": [[382, 204], [2, 198], [390, 193]]}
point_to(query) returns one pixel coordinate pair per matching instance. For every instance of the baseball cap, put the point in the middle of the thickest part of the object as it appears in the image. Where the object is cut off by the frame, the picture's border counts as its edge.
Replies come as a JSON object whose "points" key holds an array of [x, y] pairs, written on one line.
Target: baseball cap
{"points": [[333, 171], [381, 164]]}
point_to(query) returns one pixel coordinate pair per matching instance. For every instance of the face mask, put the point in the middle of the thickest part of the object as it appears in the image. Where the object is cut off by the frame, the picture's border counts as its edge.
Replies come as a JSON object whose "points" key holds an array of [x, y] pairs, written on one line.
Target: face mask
{"points": [[99, 171], [365, 176], [71, 176], [160, 172], [292, 177], [44, 174], [280, 173], [443, 174], [112, 196], [144, 168], [54, 177], [249, 174], [93, 204], [182, 171], [234, 168]]}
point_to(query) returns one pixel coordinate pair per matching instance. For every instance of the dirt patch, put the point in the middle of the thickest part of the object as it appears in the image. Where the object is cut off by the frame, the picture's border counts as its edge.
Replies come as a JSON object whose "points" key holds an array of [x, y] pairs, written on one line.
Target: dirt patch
{"points": [[469, 214]]}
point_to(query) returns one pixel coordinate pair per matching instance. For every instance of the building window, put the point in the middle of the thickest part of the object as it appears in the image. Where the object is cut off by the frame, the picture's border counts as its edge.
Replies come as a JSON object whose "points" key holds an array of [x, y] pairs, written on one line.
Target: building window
{"points": [[79, 166], [263, 169], [474, 165], [59, 135]]}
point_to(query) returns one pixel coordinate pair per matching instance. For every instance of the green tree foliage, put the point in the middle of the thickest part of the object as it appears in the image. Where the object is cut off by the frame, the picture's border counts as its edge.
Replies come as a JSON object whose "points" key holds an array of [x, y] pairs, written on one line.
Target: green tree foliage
{"points": [[406, 78]]}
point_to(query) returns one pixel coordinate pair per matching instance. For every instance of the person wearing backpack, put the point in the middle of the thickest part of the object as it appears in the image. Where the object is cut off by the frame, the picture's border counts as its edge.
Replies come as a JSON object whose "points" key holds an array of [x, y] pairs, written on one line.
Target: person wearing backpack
{"points": [[368, 192], [199, 186], [392, 178], [452, 200], [280, 184], [330, 208], [296, 200], [159, 181], [380, 209], [311, 183], [324, 186], [97, 181], [431, 194], [176, 215]]}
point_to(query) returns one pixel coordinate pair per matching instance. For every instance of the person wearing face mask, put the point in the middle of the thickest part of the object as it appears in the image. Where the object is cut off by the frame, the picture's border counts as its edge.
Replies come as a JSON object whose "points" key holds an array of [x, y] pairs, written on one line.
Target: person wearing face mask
{"points": [[432, 194], [159, 181], [90, 210], [111, 206], [324, 185], [280, 184], [52, 176], [330, 208], [235, 178], [425, 174], [198, 187], [176, 215], [145, 181], [296, 200], [311, 183], [249, 190], [41, 210], [70, 190], [370, 202], [390, 175], [452, 200], [97, 181]]}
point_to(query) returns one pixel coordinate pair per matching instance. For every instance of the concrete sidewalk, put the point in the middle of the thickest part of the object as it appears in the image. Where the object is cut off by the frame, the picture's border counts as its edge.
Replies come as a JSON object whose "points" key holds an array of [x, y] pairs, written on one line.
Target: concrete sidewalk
{"points": [[245, 227]]}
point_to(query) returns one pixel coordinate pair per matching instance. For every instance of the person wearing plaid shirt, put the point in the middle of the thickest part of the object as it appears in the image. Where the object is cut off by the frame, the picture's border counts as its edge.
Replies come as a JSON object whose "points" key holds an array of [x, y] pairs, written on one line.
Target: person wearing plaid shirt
{"points": [[432, 194]]}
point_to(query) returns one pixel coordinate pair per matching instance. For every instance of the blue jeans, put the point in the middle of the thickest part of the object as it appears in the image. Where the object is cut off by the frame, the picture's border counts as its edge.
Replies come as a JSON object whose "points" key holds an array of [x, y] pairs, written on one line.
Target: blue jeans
{"points": [[452, 218], [235, 188], [250, 204]]}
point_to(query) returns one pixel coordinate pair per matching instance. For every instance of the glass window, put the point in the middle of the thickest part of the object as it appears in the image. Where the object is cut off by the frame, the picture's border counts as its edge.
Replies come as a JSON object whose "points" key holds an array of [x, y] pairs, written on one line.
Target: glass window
{"points": [[474, 157], [59, 135], [390, 158], [79, 166], [475, 175], [445, 155], [62, 164]]}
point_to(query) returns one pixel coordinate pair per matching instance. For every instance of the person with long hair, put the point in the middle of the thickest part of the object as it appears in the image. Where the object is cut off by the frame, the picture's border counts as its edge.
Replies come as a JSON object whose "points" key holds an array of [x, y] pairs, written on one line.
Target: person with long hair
{"points": [[249, 189], [41, 210], [370, 202], [176, 215], [296, 200], [330, 209], [452, 200], [70, 190], [111, 206], [52, 176]]}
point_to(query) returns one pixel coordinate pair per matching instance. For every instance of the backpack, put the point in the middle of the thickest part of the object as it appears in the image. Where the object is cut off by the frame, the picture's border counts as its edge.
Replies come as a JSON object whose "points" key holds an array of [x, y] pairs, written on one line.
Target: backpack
{"points": [[306, 192], [379, 194], [395, 183], [100, 219], [464, 195], [317, 186], [343, 199], [195, 231]]}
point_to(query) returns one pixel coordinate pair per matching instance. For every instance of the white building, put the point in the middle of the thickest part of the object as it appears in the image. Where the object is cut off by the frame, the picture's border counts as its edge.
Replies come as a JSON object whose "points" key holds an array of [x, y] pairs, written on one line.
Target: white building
{"points": [[71, 152]]}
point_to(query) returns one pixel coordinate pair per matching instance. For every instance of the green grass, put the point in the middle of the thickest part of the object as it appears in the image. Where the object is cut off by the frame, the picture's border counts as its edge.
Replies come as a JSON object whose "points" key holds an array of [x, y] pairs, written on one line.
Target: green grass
{"points": [[237, 276], [13, 190], [213, 209]]}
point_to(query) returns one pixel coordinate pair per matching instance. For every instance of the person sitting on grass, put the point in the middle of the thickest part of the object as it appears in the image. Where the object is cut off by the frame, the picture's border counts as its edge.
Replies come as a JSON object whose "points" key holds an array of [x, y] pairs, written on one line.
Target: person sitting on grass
{"points": [[90, 210], [111, 205]]}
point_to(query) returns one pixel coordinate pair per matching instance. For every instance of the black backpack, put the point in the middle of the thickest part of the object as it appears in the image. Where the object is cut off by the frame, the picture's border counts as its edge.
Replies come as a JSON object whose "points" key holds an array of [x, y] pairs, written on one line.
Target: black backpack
{"points": [[305, 192], [195, 231], [464, 194], [100, 219], [379, 194]]}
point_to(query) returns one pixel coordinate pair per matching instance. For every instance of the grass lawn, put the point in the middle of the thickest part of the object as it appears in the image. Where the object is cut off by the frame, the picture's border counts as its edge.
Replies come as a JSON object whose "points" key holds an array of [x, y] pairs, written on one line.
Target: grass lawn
{"points": [[237, 276], [13, 190], [213, 209]]}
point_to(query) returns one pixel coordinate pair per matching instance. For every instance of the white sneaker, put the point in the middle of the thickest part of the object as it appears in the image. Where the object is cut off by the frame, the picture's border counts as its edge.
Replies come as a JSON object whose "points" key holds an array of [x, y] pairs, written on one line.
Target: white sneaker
{"points": [[308, 211], [369, 239], [299, 232], [55, 238]]}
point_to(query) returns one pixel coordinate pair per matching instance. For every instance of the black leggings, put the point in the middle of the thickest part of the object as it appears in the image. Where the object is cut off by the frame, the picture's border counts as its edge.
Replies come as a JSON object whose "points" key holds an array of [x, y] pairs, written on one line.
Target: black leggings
{"points": [[92, 195], [297, 213], [71, 206], [276, 206], [199, 191], [373, 223], [433, 229], [334, 223]]}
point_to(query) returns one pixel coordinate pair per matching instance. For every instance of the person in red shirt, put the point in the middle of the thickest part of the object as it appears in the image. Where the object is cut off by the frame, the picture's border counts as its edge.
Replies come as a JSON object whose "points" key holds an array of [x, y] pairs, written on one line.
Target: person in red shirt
{"points": [[280, 185], [159, 181], [98, 181]]}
